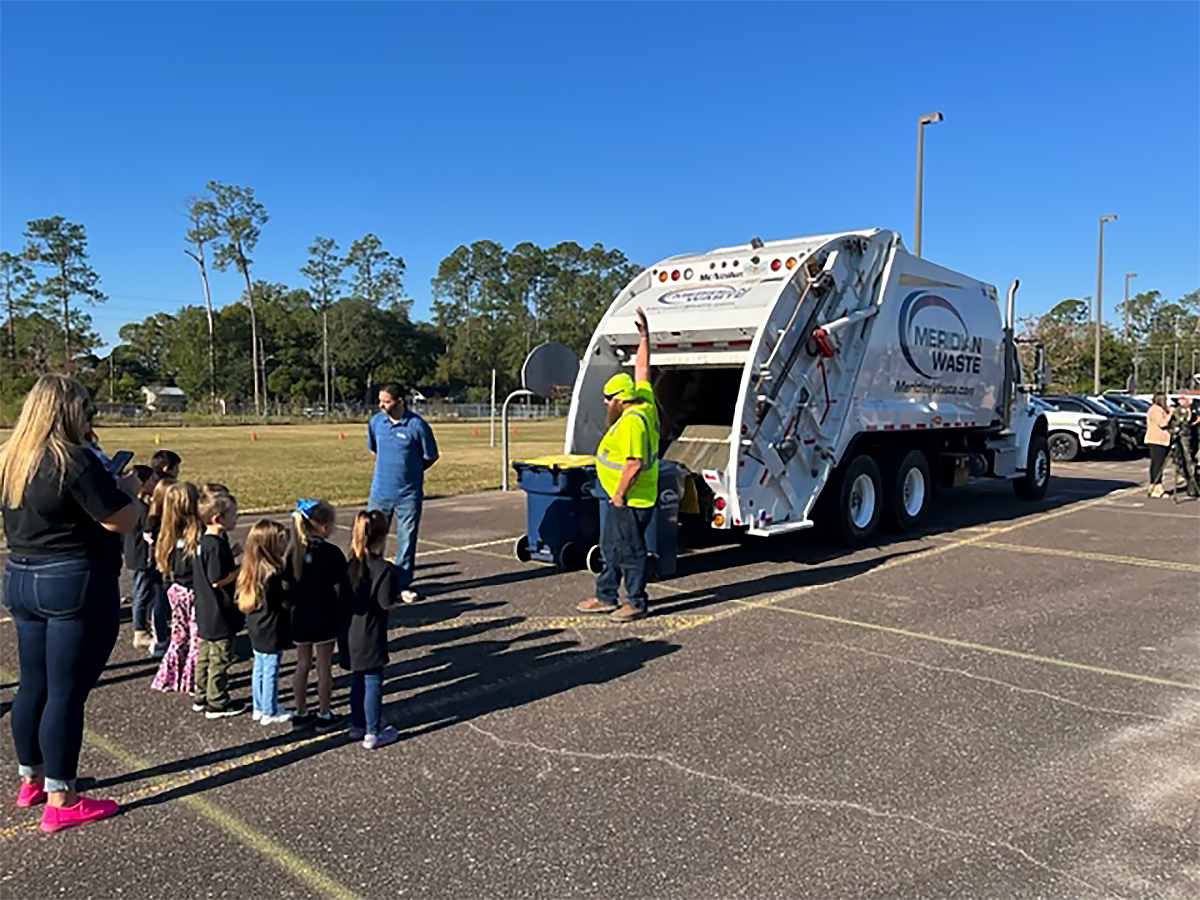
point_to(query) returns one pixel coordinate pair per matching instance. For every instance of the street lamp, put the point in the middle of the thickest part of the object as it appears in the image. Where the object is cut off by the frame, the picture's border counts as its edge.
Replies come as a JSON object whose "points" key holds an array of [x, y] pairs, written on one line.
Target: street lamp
{"points": [[1128, 275], [1099, 301], [922, 121]]}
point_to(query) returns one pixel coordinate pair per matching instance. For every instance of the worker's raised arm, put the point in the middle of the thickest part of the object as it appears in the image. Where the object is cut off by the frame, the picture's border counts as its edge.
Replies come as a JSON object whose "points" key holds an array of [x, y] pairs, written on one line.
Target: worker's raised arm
{"points": [[641, 362]]}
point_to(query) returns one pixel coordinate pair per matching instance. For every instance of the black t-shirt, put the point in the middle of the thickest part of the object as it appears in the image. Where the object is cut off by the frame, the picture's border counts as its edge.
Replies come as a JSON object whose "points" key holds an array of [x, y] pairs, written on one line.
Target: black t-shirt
{"points": [[315, 595], [137, 548], [61, 517], [182, 565], [364, 638], [270, 626], [217, 616]]}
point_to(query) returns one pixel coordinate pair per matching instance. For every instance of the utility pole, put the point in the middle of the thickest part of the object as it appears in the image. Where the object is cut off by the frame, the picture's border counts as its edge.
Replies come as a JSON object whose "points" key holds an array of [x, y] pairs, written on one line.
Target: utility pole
{"points": [[922, 121], [1163, 381], [1108, 217], [1125, 309]]}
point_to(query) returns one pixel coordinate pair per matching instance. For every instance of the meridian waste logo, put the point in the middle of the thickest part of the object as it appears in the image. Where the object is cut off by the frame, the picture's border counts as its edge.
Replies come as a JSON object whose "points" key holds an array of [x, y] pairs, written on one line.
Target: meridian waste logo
{"points": [[941, 351], [722, 295]]}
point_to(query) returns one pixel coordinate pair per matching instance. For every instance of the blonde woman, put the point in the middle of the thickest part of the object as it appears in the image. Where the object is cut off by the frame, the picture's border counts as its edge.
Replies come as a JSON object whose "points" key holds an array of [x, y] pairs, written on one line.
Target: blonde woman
{"points": [[1157, 440], [63, 517]]}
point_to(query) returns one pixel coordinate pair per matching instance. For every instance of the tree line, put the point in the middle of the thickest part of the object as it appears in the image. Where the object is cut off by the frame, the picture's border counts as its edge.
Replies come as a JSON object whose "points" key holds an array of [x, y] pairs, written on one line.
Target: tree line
{"points": [[1157, 346], [344, 327]]}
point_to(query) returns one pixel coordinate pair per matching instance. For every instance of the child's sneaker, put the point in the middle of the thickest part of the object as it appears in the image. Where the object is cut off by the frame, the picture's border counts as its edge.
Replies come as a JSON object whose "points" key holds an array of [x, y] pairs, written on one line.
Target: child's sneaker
{"points": [[303, 719], [31, 793], [280, 719], [200, 706], [327, 722], [356, 733], [256, 715], [411, 596], [387, 735], [56, 818], [233, 709]]}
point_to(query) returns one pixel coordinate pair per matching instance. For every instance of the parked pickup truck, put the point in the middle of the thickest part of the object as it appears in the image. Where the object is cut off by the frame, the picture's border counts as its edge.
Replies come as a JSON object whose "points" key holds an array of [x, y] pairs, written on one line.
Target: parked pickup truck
{"points": [[1071, 434]]}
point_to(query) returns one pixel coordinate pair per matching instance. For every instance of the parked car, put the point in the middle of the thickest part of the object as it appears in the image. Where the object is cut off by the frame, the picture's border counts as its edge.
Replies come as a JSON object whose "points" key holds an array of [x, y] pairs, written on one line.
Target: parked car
{"points": [[1073, 433], [1131, 424], [1127, 402], [1129, 429]]}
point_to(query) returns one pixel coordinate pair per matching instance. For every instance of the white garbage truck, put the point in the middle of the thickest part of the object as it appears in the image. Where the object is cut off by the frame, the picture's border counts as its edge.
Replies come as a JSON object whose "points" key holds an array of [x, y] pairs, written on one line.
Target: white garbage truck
{"points": [[834, 380]]}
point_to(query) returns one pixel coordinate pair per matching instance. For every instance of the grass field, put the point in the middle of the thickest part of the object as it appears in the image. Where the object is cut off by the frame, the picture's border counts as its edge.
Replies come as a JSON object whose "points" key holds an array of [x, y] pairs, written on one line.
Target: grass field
{"points": [[290, 461]]}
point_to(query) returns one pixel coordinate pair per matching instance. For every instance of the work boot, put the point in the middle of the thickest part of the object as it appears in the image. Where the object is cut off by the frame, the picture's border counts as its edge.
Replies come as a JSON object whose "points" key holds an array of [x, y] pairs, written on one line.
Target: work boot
{"points": [[596, 606], [627, 612]]}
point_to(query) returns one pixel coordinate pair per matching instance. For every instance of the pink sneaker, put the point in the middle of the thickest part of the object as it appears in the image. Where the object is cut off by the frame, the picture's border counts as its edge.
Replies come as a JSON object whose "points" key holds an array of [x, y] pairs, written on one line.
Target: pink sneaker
{"points": [[85, 810], [31, 794]]}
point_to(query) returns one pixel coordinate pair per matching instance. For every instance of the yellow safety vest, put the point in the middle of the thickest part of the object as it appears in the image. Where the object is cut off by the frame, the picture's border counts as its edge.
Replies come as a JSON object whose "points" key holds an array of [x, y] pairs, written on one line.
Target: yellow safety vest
{"points": [[634, 435]]}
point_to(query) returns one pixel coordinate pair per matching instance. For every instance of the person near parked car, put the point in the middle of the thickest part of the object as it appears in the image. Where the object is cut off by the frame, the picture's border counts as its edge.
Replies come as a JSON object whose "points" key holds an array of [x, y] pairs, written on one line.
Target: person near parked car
{"points": [[1158, 440], [403, 447], [64, 513], [627, 468]]}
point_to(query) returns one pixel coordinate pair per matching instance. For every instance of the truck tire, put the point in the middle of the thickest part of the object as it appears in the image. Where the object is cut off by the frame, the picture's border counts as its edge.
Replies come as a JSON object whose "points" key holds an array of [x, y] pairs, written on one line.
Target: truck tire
{"points": [[1032, 485], [1064, 446], [908, 490], [859, 500]]}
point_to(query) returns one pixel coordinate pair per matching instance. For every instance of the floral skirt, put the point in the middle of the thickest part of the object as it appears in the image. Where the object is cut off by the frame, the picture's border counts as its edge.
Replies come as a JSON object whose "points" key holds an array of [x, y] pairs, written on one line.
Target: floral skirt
{"points": [[175, 672]]}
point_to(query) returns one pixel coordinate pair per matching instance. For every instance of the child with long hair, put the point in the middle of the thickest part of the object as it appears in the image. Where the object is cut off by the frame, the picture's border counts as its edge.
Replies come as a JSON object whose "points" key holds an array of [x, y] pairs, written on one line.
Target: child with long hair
{"points": [[317, 569], [262, 596], [174, 552], [160, 609], [374, 588]]}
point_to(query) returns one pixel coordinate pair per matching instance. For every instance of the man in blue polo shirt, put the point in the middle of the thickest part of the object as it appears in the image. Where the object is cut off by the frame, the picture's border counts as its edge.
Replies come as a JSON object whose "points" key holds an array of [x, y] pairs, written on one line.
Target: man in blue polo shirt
{"points": [[403, 446]]}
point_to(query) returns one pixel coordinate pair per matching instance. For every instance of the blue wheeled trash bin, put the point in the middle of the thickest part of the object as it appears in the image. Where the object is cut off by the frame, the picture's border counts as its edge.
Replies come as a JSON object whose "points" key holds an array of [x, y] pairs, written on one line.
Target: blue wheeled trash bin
{"points": [[562, 518], [662, 534]]}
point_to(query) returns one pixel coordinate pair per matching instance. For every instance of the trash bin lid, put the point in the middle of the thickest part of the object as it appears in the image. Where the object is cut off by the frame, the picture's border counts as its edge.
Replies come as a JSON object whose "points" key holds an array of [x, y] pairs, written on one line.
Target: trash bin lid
{"points": [[559, 460]]}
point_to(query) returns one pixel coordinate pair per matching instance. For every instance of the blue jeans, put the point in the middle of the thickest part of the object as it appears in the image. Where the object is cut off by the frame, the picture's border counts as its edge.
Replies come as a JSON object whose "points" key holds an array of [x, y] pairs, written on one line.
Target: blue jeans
{"points": [[67, 612], [264, 683], [143, 596], [623, 552], [407, 513], [366, 700]]}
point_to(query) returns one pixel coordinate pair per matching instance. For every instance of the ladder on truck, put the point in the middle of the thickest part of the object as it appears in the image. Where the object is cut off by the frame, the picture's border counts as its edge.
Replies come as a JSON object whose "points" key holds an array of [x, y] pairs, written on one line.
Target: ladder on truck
{"points": [[804, 388]]}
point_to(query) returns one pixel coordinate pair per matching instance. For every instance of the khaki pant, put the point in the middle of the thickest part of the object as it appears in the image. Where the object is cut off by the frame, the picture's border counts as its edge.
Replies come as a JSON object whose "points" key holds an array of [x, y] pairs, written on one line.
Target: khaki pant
{"points": [[213, 659]]}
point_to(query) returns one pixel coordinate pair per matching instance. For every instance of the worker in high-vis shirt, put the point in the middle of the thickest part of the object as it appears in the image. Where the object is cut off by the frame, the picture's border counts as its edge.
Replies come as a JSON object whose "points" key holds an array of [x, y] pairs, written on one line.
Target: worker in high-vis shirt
{"points": [[627, 467]]}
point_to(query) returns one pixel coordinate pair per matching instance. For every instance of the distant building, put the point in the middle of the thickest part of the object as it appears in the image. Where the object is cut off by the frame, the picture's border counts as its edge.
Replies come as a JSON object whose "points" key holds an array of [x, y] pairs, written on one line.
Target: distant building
{"points": [[164, 399]]}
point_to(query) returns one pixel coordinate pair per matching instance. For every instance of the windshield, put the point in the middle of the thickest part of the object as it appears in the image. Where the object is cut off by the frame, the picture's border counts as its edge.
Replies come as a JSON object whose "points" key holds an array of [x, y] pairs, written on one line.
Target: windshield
{"points": [[1112, 406]]}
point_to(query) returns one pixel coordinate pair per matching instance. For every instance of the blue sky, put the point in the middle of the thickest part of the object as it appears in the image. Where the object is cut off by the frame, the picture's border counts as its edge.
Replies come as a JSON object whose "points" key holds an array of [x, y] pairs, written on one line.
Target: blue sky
{"points": [[655, 128]]}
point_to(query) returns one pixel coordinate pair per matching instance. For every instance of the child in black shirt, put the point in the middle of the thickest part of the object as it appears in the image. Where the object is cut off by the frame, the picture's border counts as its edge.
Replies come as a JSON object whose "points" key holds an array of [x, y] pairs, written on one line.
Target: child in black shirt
{"points": [[136, 552], [217, 617], [174, 557], [373, 589], [317, 569], [262, 596]]}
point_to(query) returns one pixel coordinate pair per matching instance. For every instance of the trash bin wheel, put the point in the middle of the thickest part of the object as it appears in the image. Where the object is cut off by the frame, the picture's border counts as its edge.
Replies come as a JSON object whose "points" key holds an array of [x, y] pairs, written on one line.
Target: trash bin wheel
{"points": [[570, 557], [521, 548], [594, 561]]}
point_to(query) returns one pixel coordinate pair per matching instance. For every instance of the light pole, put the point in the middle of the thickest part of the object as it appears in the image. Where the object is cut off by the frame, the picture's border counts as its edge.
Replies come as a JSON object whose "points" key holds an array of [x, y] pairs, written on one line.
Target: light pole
{"points": [[922, 121], [1099, 301], [1128, 275]]}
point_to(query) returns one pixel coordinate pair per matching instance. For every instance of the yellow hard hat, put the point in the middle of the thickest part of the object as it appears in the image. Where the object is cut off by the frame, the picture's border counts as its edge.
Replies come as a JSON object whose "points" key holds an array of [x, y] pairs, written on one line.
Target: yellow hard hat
{"points": [[619, 386]]}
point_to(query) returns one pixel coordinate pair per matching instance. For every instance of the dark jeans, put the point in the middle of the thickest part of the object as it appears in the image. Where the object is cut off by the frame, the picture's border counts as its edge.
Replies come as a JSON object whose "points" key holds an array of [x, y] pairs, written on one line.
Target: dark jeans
{"points": [[211, 684], [407, 513], [623, 551], [161, 613], [143, 596], [67, 612], [366, 700], [1158, 455]]}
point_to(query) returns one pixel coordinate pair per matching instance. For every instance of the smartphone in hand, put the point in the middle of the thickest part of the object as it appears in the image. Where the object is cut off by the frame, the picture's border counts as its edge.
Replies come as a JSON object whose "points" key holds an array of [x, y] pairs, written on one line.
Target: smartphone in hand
{"points": [[119, 461]]}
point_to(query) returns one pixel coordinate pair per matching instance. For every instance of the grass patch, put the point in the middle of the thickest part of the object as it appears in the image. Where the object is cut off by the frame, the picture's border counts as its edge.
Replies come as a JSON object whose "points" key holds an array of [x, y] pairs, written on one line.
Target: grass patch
{"points": [[290, 461]]}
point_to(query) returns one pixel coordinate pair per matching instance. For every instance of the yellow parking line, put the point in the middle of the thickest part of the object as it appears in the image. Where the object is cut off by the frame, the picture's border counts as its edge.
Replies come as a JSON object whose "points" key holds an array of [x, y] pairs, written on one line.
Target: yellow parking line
{"points": [[236, 828], [982, 648], [1089, 554]]}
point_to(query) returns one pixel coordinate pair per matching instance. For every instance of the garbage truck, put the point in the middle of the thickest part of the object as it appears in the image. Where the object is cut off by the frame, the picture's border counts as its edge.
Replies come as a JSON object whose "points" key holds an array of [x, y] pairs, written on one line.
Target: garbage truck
{"points": [[834, 381]]}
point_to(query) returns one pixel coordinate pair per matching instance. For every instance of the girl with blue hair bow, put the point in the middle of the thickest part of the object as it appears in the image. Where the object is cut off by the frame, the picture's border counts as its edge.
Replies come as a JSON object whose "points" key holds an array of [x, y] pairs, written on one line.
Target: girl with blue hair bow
{"points": [[317, 570]]}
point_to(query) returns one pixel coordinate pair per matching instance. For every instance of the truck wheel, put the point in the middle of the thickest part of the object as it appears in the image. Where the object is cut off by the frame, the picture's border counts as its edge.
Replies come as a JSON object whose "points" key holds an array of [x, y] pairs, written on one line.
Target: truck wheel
{"points": [[521, 548], [860, 495], [1032, 485], [908, 489], [1064, 446]]}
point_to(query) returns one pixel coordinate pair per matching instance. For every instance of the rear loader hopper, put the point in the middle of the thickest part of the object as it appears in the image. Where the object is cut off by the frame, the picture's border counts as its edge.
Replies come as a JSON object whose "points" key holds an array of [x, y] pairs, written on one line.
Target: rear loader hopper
{"points": [[833, 380]]}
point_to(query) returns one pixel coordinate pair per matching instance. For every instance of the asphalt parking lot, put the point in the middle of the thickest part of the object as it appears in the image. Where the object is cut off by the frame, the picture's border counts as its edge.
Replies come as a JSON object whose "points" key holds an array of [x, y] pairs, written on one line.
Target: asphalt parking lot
{"points": [[1005, 705]]}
